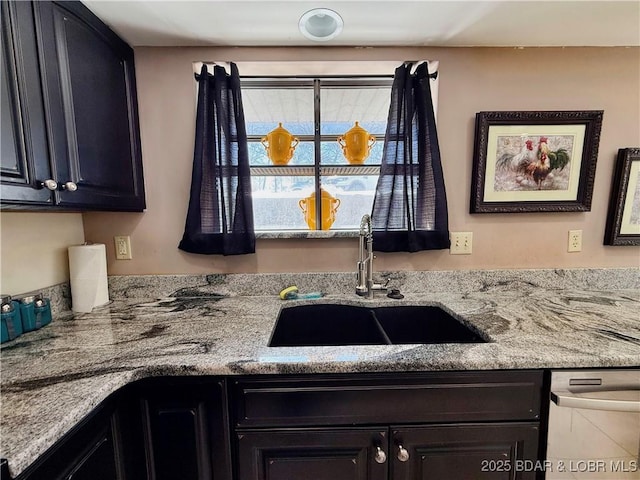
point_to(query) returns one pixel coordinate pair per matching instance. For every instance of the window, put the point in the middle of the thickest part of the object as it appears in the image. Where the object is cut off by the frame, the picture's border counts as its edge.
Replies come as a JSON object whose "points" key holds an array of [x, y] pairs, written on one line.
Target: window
{"points": [[317, 111]]}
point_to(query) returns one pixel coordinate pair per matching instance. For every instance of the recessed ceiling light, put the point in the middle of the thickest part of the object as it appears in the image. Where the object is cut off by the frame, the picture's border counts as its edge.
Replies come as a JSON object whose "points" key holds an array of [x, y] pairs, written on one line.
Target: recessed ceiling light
{"points": [[320, 24]]}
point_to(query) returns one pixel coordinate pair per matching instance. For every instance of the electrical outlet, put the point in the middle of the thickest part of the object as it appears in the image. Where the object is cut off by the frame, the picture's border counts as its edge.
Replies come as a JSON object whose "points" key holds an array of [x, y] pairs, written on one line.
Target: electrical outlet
{"points": [[575, 241], [123, 247], [461, 243]]}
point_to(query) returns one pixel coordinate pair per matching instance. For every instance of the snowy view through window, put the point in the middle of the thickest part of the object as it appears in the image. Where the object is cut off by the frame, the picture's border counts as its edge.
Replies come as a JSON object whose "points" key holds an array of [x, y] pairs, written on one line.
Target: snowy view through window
{"points": [[283, 195]]}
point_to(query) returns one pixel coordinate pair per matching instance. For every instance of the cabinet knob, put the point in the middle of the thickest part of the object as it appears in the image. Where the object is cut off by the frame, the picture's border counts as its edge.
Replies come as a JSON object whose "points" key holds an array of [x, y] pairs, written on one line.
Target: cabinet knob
{"points": [[49, 184], [403, 454], [69, 186], [380, 456]]}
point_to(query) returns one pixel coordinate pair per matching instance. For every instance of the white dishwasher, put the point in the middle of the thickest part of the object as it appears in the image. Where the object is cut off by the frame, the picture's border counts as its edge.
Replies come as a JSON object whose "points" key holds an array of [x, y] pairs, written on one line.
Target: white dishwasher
{"points": [[594, 425]]}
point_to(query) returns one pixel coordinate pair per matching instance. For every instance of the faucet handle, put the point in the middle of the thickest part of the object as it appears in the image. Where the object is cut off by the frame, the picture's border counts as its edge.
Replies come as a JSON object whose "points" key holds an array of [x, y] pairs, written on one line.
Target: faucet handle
{"points": [[380, 286]]}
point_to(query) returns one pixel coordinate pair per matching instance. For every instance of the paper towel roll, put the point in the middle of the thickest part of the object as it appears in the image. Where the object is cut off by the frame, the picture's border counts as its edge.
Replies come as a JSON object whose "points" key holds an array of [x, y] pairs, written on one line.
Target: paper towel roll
{"points": [[88, 272]]}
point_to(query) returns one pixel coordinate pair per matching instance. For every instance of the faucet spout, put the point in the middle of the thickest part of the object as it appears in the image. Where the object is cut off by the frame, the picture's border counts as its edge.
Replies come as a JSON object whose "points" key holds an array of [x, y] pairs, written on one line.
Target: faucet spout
{"points": [[365, 284]]}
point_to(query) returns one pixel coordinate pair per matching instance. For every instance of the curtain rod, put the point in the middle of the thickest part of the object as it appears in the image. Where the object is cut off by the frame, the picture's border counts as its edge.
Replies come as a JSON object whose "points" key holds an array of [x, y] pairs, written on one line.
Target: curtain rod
{"points": [[227, 66]]}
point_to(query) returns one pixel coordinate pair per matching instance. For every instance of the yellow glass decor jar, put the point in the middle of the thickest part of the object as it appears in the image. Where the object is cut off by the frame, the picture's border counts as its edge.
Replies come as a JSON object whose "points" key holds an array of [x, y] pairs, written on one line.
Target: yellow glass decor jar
{"points": [[280, 145], [330, 206], [356, 144]]}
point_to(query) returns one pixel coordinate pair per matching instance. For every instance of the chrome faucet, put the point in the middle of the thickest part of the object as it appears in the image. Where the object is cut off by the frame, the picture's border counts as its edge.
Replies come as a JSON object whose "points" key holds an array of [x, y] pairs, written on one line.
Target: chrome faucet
{"points": [[366, 286]]}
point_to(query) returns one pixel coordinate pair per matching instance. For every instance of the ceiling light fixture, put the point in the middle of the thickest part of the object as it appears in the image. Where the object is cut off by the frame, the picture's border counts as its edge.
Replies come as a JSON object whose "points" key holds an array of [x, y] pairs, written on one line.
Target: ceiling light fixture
{"points": [[320, 24]]}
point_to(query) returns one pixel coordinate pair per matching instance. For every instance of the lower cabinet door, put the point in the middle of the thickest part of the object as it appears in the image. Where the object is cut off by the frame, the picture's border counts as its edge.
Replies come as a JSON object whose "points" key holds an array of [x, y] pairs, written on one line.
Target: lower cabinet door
{"points": [[90, 452], [465, 451], [185, 427], [318, 454], [98, 463]]}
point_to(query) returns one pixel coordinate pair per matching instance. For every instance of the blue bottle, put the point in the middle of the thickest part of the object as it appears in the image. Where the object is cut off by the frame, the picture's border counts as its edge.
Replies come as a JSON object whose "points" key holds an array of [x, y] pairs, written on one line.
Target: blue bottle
{"points": [[42, 308], [27, 313], [10, 319], [35, 312]]}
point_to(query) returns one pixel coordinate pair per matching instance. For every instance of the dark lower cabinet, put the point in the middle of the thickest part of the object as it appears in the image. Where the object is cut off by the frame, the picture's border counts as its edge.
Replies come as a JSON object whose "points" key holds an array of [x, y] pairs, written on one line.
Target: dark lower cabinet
{"points": [[441, 425], [186, 429], [92, 451], [452, 452], [154, 429], [99, 462], [321, 454]]}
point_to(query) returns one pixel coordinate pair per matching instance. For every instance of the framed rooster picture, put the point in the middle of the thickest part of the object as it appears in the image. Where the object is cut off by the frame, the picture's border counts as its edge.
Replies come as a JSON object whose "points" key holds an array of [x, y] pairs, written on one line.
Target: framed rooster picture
{"points": [[543, 161], [623, 219]]}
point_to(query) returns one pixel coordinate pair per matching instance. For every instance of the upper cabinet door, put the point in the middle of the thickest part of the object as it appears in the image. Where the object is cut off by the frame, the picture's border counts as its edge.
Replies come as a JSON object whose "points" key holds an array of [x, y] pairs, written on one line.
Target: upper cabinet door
{"points": [[25, 156], [90, 84]]}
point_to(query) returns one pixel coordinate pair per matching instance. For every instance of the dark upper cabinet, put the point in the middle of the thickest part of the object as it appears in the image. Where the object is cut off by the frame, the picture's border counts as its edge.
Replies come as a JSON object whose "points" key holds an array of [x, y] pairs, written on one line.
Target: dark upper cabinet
{"points": [[25, 152], [85, 76], [90, 82]]}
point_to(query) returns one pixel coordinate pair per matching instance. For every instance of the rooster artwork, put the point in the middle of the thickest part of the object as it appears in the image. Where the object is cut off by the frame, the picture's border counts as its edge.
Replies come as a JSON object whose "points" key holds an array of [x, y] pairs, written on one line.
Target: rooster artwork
{"points": [[535, 167]]}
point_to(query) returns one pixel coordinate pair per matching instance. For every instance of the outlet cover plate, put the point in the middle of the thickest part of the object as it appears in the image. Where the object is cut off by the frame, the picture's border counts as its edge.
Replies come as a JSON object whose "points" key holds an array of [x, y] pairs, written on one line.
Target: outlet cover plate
{"points": [[123, 247], [575, 241]]}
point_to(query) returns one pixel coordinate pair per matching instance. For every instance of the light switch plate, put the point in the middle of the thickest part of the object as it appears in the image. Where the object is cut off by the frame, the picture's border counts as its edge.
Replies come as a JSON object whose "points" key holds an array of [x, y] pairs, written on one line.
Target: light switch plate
{"points": [[123, 247], [461, 243]]}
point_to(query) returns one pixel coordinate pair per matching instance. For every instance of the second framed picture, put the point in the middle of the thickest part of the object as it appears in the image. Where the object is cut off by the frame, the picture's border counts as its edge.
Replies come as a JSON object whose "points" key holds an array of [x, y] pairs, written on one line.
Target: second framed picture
{"points": [[623, 219], [534, 161]]}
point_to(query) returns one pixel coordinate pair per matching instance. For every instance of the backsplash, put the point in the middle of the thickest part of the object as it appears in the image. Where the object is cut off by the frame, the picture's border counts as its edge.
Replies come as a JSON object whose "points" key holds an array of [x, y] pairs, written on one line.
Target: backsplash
{"points": [[455, 281], [158, 286], [59, 295]]}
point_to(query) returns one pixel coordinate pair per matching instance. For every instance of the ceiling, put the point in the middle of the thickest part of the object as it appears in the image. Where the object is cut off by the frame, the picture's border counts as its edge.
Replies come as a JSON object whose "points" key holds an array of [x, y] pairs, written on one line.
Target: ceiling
{"points": [[375, 22]]}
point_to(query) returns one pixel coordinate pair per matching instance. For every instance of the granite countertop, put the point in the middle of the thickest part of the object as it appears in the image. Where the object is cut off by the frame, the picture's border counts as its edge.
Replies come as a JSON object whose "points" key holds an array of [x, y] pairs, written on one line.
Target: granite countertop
{"points": [[54, 377]]}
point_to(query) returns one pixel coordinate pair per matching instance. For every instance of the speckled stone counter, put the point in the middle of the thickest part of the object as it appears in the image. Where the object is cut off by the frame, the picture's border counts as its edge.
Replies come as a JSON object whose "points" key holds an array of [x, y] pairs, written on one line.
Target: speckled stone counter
{"points": [[221, 325]]}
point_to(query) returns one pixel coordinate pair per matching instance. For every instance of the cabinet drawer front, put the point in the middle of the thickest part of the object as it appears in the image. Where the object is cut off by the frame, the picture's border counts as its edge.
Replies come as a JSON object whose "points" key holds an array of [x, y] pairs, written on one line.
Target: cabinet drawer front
{"points": [[352, 400]]}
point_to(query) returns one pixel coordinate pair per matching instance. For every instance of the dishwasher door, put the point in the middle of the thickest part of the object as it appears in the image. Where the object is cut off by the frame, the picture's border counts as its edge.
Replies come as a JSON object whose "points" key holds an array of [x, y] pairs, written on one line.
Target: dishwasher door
{"points": [[594, 425]]}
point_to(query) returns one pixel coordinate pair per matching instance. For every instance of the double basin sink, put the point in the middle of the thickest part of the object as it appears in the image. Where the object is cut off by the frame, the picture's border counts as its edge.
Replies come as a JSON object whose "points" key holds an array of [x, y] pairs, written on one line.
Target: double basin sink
{"points": [[332, 325]]}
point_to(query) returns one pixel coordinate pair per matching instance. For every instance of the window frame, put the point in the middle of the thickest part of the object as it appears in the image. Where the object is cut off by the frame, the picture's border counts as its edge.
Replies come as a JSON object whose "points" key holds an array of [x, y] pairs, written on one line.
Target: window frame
{"points": [[317, 170]]}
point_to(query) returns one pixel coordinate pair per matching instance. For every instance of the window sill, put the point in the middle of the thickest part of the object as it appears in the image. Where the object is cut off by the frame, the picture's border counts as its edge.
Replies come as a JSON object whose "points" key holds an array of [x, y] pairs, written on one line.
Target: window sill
{"points": [[307, 234]]}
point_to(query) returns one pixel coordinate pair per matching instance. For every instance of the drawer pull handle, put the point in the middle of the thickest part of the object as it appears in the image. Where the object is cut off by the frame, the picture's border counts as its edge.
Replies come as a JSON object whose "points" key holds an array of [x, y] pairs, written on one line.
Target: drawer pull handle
{"points": [[380, 456], [403, 454]]}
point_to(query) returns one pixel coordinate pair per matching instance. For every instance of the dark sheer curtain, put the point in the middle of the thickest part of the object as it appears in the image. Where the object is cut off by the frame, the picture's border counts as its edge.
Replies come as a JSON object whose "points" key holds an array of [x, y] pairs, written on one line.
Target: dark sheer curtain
{"points": [[220, 215], [410, 204]]}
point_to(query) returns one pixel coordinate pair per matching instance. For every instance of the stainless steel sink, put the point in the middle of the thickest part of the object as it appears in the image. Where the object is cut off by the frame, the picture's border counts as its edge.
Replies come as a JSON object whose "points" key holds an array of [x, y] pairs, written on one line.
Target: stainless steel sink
{"points": [[330, 324]]}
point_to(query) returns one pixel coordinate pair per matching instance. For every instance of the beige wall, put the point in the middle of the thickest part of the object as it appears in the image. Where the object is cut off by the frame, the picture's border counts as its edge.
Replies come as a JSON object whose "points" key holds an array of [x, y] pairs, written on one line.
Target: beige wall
{"points": [[33, 252], [472, 80]]}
